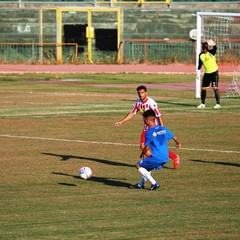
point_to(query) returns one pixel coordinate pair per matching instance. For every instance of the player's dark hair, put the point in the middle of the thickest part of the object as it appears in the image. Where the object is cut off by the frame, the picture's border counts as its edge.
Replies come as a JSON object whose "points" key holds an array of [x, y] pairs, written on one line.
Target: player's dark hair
{"points": [[141, 88], [204, 45], [149, 113]]}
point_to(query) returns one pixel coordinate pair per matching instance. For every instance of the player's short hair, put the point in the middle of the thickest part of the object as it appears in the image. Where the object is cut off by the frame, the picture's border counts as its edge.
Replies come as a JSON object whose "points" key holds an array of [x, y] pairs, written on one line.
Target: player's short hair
{"points": [[204, 45], [141, 88], [149, 113]]}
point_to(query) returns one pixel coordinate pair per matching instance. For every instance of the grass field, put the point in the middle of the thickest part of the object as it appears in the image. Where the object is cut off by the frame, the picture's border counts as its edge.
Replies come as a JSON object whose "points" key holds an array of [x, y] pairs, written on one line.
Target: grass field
{"points": [[51, 125]]}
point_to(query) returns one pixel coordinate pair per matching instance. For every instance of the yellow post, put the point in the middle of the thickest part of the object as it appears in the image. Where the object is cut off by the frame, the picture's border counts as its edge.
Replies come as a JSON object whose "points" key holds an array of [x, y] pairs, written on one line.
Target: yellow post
{"points": [[41, 36], [89, 30], [118, 34], [59, 36], [89, 35]]}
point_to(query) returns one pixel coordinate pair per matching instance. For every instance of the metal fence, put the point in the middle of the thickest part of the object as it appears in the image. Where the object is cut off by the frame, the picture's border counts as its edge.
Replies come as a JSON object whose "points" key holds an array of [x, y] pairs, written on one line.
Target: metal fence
{"points": [[181, 51], [132, 51], [157, 51], [35, 53]]}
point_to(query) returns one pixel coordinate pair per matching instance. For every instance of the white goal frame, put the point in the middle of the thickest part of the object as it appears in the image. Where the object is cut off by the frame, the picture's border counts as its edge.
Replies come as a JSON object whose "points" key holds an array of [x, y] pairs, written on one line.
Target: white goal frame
{"points": [[198, 42]]}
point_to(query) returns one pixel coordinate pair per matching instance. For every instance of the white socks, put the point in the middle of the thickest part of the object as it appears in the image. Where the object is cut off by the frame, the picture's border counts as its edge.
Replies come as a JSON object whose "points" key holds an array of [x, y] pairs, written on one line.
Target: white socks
{"points": [[146, 175], [142, 181]]}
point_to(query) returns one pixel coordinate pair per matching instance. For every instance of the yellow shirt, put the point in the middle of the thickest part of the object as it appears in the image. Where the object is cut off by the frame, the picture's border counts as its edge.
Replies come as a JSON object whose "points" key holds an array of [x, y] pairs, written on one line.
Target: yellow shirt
{"points": [[209, 62]]}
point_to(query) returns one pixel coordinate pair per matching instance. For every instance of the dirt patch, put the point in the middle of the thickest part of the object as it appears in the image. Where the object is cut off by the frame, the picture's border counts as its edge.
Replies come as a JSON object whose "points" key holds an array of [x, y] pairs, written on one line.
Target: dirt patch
{"points": [[169, 86], [112, 68]]}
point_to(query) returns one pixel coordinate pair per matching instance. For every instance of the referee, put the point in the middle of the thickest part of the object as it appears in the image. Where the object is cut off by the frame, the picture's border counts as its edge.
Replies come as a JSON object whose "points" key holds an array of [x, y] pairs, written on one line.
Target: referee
{"points": [[211, 76]]}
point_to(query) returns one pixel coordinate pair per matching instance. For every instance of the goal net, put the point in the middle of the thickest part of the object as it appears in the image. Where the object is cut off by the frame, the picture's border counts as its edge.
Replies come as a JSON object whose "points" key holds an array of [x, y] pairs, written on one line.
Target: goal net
{"points": [[233, 89], [224, 30]]}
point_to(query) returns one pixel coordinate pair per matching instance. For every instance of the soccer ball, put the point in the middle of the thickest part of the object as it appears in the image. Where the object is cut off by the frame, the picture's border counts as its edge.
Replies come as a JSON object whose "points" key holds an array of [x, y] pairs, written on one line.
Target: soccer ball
{"points": [[85, 172]]}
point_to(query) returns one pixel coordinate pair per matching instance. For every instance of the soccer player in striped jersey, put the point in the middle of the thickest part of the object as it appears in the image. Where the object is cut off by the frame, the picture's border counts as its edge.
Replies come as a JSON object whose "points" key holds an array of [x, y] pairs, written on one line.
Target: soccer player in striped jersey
{"points": [[141, 105]]}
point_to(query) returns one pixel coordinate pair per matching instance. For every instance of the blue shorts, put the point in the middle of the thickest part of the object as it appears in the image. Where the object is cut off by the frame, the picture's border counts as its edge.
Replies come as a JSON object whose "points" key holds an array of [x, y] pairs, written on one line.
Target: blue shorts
{"points": [[151, 163]]}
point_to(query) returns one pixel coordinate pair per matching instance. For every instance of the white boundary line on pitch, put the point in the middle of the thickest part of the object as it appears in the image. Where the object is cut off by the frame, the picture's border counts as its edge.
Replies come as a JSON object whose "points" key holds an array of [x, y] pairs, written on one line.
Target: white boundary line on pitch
{"points": [[108, 143]]}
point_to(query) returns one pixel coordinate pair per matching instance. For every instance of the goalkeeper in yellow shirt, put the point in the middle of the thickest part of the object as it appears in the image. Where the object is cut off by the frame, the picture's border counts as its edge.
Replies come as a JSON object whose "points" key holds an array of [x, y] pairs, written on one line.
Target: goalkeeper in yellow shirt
{"points": [[211, 76]]}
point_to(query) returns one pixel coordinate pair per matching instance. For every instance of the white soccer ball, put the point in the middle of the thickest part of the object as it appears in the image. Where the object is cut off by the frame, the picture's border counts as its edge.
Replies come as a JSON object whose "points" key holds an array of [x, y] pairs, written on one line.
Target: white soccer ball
{"points": [[85, 172], [193, 34]]}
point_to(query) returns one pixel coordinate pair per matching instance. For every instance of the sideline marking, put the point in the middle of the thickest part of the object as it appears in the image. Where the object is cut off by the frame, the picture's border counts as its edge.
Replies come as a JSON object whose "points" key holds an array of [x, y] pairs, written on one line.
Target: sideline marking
{"points": [[109, 143]]}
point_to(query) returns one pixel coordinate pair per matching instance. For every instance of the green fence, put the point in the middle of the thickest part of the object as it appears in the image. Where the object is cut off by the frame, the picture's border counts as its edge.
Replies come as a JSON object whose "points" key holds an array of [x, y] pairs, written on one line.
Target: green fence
{"points": [[132, 51], [153, 51], [34, 53]]}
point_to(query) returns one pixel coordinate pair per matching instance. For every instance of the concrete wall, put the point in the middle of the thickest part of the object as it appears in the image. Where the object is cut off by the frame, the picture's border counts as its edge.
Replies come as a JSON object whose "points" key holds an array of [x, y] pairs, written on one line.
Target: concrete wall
{"points": [[22, 25]]}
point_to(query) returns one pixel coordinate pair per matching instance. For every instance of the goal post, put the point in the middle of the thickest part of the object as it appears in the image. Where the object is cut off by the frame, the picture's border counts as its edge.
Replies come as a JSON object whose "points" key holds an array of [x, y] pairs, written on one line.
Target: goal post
{"points": [[223, 28]]}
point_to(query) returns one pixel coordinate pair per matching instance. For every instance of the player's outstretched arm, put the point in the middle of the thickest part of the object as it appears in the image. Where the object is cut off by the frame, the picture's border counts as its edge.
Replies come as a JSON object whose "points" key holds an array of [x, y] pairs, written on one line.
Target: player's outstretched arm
{"points": [[178, 144], [126, 118], [160, 119]]}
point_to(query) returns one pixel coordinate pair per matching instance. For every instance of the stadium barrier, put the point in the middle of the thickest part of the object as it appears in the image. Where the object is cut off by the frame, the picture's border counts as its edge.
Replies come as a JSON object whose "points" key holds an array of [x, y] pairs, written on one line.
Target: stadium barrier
{"points": [[157, 51], [153, 51], [38, 53], [163, 51], [131, 51]]}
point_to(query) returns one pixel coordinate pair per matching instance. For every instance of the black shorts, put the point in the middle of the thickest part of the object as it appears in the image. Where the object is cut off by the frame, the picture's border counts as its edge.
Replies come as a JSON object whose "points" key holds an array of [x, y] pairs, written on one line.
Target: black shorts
{"points": [[210, 78]]}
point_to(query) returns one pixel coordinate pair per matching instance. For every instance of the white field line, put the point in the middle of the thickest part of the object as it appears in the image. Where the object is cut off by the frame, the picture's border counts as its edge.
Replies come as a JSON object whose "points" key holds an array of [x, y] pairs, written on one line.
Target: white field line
{"points": [[58, 93], [80, 111], [58, 113], [109, 143]]}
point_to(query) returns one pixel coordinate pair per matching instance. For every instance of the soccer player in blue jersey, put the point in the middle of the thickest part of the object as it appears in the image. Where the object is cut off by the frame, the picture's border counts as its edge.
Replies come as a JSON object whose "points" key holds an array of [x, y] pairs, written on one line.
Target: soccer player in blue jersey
{"points": [[155, 149]]}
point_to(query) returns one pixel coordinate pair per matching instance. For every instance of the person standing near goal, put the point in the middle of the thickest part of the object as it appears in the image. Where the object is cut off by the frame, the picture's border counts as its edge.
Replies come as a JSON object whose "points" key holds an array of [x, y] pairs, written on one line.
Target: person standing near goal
{"points": [[141, 105], [211, 76]]}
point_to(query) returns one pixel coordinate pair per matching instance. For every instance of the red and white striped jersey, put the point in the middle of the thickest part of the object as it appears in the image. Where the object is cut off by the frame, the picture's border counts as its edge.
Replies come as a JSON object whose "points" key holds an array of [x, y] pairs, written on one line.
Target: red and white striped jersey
{"points": [[144, 106]]}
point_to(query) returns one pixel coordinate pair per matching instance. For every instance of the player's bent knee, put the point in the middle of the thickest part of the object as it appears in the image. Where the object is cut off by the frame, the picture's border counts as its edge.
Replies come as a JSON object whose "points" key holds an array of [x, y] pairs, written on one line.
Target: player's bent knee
{"points": [[137, 166]]}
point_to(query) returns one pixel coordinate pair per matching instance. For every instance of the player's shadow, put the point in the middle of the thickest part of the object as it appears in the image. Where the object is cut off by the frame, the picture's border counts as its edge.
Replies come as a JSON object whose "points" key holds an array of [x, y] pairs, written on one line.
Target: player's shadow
{"points": [[107, 181], [67, 157], [177, 104], [214, 162], [168, 103]]}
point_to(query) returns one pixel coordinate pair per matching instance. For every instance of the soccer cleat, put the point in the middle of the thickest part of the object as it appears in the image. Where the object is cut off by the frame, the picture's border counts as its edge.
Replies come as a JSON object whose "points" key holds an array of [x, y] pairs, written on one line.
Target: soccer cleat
{"points": [[137, 186], [217, 106], [201, 105], [155, 186], [176, 162]]}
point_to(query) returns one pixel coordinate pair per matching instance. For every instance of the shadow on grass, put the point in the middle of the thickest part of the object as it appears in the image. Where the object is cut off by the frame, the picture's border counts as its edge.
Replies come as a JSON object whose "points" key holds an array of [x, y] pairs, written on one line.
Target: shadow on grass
{"points": [[67, 157], [220, 163], [177, 104], [107, 181], [166, 102]]}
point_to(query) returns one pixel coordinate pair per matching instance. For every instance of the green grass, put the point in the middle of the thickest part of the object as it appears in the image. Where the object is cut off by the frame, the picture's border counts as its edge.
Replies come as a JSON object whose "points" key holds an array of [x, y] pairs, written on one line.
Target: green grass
{"points": [[48, 131]]}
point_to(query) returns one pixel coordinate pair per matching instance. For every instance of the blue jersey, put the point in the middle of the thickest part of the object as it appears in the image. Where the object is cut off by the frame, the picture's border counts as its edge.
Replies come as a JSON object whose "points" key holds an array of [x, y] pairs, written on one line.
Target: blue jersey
{"points": [[157, 138]]}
